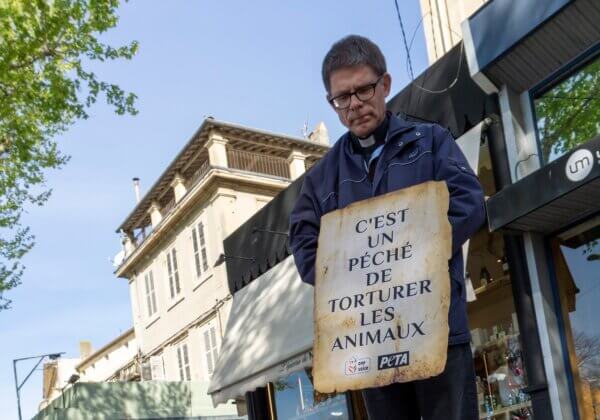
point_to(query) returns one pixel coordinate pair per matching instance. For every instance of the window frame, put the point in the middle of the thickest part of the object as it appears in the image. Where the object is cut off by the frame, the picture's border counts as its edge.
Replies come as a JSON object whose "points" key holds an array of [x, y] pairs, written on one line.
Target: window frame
{"points": [[150, 295], [553, 80], [173, 278], [210, 352], [348, 399], [200, 265], [182, 354]]}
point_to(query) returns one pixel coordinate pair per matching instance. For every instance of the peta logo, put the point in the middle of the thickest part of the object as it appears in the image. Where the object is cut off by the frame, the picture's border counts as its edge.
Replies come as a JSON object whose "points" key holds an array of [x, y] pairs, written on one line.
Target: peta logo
{"points": [[579, 165], [357, 365], [394, 360]]}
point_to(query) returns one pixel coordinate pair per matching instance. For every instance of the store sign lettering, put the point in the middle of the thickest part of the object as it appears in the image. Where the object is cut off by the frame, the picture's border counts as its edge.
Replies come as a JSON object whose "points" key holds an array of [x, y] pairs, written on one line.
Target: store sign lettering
{"points": [[579, 165], [383, 290]]}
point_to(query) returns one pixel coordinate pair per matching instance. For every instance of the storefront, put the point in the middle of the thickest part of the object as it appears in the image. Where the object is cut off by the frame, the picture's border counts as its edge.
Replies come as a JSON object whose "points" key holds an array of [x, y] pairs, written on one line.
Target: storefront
{"points": [[557, 208], [524, 105], [546, 72]]}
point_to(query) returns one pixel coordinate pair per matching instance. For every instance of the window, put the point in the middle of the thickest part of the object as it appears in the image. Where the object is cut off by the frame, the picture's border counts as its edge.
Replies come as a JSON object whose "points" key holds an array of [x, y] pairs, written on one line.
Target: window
{"points": [[210, 347], [501, 379], [150, 293], [295, 398], [200, 253], [173, 274], [146, 371], [576, 266], [568, 113], [183, 361], [157, 368]]}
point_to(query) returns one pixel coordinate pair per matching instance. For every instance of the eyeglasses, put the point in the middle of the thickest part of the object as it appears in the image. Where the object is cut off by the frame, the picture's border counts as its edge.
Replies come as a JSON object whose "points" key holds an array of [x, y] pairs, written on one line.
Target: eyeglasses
{"points": [[363, 93]]}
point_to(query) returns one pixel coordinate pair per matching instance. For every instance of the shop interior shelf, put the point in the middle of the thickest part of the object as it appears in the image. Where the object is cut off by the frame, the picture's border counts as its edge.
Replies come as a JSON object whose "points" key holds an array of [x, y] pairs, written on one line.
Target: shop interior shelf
{"points": [[493, 285], [504, 412]]}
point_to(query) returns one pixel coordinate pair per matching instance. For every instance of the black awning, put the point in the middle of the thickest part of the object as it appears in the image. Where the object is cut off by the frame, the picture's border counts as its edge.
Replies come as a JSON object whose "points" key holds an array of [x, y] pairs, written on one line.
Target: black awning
{"points": [[462, 104], [553, 197]]}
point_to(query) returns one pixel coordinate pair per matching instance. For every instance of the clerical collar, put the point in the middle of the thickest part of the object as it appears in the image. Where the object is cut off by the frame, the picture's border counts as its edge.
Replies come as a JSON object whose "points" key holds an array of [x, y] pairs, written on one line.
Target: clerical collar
{"points": [[377, 137]]}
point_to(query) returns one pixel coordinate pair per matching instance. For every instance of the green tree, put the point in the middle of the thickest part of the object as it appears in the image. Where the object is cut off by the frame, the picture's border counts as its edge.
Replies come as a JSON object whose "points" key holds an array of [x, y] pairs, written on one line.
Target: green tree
{"points": [[569, 113], [46, 85]]}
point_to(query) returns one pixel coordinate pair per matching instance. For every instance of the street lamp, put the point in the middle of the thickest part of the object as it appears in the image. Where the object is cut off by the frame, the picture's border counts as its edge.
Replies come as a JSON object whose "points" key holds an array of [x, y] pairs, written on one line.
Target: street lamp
{"points": [[51, 356]]}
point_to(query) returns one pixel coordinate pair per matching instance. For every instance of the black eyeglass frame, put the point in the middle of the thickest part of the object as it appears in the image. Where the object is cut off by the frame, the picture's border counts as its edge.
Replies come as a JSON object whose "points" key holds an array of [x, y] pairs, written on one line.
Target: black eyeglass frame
{"points": [[371, 86]]}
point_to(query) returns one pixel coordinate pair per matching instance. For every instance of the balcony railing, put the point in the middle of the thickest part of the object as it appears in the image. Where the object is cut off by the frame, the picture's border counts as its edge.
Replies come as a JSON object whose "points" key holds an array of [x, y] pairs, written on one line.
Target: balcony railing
{"points": [[236, 159], [255, 162], [198, 175], [142, 235], [167, 207]]}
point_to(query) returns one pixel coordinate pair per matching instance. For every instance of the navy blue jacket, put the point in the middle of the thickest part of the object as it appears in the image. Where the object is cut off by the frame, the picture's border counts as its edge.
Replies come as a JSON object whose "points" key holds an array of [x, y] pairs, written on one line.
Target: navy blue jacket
{"points": [[413, 153]]}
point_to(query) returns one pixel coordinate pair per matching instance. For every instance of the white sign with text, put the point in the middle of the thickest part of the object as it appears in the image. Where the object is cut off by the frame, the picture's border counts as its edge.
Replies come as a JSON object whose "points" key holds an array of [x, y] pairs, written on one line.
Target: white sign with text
{"points": [[382, 290]]}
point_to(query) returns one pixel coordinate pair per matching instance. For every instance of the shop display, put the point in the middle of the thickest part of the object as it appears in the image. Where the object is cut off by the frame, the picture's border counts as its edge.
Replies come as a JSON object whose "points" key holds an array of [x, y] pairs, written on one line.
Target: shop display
{"points": [[495, 341], [504, 263], [500, 375], [484, 277]]}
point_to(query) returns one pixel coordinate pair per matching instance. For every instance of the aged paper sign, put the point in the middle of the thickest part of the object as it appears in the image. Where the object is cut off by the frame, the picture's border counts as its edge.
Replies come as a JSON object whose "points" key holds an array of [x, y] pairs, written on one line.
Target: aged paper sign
{"points": [[382, 290]]}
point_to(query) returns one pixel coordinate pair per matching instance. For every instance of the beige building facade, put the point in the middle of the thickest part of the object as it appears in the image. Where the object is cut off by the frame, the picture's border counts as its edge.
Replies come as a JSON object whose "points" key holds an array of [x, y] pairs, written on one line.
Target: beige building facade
{"points": [[442, 23], [172, 239], [115, 361]]}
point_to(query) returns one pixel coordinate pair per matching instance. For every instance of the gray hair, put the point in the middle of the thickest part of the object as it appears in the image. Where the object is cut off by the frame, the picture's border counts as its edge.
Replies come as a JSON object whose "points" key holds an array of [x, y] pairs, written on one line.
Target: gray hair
{"points": [[350, 51]]}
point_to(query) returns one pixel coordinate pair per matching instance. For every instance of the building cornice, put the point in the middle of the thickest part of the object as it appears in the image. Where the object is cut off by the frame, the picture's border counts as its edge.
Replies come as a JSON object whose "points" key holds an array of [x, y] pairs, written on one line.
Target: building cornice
{"points": [[126, 336], [197, 141], [215, 178]]}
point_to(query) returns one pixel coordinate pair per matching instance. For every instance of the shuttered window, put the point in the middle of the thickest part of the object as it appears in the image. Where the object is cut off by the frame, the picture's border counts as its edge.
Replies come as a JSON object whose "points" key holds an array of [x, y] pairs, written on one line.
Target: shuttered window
{"points": [[183, 361], [200, 252], [150, 293], [174, 286], [210, 348]]}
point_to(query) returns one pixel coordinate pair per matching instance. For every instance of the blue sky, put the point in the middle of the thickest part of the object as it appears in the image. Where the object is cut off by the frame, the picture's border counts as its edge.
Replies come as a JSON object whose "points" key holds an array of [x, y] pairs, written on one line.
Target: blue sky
{"points": [[252, 63]]}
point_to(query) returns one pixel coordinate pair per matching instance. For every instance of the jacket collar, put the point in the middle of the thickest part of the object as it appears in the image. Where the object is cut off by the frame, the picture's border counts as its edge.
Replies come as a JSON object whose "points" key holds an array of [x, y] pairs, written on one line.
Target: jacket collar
{"points": [[397, 126], [399, 136], [394, 143]]}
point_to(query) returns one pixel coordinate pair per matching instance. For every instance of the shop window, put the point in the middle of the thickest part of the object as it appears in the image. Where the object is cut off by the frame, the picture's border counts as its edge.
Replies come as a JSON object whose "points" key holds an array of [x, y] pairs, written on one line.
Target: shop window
{"points": [[496, 343], [576, 257], [295, 398], [568, 114]]}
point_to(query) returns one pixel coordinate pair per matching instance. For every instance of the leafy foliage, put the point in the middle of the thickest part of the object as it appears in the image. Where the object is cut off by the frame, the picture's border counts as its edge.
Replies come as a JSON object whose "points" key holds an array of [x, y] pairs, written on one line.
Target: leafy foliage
{"points": [[587, 348], [45, 86], [569, 113]]}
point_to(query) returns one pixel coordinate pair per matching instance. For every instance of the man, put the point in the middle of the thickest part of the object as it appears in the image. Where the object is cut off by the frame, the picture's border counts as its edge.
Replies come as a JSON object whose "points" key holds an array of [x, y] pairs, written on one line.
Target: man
{"points": [[382, 153]]}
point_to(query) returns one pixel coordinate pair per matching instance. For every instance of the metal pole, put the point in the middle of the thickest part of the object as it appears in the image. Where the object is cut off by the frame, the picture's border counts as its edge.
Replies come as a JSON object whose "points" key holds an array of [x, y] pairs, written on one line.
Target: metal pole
{"points": [[31, 371], [18, 385], [17, 389]]}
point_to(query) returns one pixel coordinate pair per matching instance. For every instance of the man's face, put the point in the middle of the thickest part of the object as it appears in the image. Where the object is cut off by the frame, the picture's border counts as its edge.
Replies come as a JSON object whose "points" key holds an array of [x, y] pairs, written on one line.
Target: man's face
{"points": [[360, 117]]}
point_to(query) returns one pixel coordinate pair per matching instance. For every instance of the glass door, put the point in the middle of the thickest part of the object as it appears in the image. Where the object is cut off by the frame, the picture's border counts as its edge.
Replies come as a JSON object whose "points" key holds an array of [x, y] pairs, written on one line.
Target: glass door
{"points": [[576, 257], [495, 337]]}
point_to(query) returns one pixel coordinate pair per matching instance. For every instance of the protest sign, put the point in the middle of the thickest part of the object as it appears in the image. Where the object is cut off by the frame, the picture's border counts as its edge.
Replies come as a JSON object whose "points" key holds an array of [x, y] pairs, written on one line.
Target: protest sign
{"points": [[382, 290]]}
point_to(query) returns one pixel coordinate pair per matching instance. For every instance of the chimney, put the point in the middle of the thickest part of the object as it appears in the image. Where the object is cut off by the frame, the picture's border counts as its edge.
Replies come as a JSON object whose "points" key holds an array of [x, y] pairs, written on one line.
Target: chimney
{"points": [[320, 134], [136, 187], [85, 349]]}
